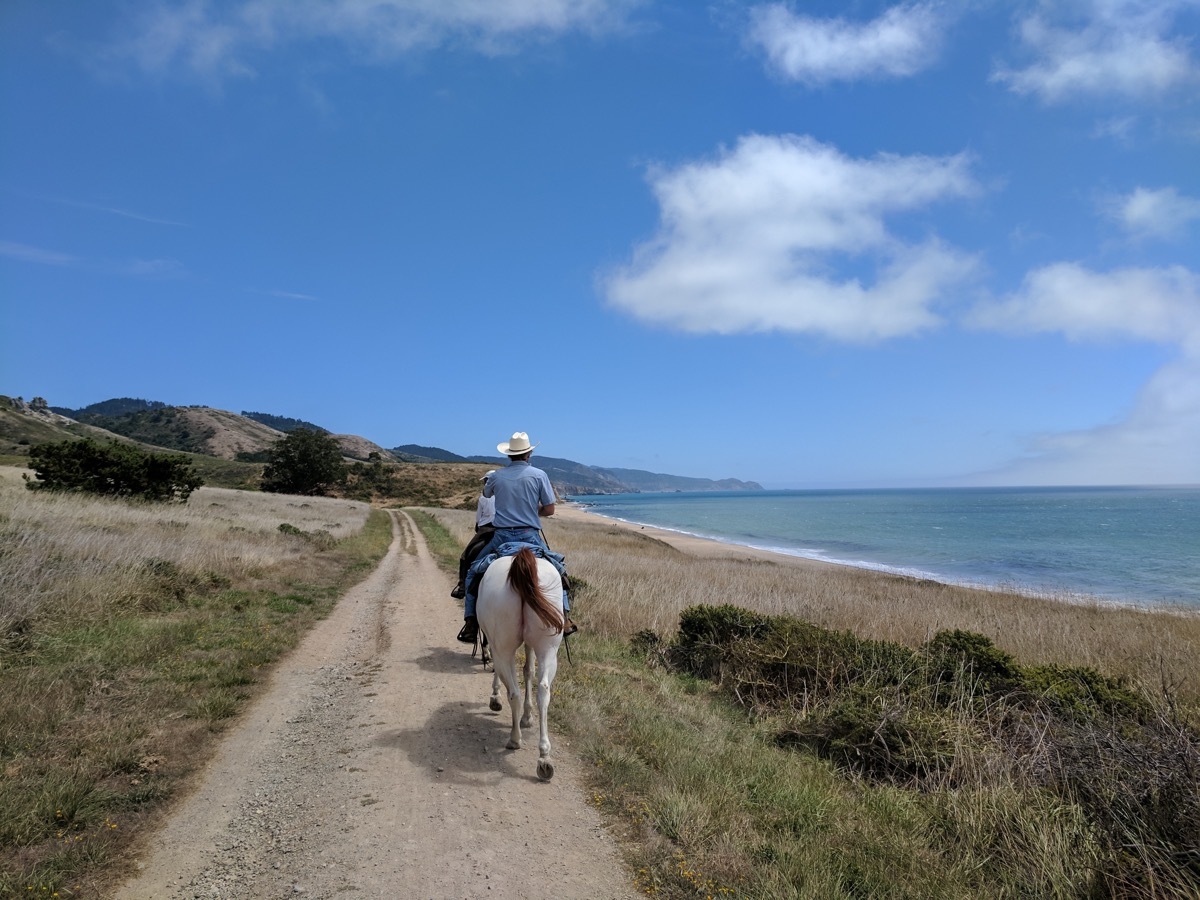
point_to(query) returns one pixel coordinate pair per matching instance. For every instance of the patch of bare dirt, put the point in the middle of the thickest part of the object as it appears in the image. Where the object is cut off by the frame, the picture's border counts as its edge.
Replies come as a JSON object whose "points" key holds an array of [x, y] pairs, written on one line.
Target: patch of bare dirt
{"points": [[357, 447], [233, 434], [372, 767]]}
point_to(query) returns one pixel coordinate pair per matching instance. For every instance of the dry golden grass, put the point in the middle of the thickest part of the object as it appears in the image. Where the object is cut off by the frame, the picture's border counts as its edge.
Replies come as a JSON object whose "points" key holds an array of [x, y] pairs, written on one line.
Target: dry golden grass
{"points": [[451, 485], [129, 633], [635, 582], [713, 805], [76, 555]]}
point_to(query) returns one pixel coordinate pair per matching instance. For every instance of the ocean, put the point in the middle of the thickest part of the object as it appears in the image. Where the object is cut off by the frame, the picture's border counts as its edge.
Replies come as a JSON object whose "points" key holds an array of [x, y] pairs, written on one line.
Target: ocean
{"points": [[1137, 546]]}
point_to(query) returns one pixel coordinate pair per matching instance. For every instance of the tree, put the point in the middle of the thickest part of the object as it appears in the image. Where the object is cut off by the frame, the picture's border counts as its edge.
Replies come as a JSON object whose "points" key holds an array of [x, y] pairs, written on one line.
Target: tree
{"points": [[304, 462], [115, 470]]}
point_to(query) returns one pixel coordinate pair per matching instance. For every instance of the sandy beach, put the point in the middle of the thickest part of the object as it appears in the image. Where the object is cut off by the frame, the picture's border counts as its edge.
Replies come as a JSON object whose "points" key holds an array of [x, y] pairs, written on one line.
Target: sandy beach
{"points": [[705, 548]]}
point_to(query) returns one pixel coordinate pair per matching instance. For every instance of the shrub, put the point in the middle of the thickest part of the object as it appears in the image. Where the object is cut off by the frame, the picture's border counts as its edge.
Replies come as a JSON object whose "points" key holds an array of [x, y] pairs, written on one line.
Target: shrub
{"points": [[960, 714], [1084, 693], [304, 462], [706, 634], [963, 653], [115, 470]]}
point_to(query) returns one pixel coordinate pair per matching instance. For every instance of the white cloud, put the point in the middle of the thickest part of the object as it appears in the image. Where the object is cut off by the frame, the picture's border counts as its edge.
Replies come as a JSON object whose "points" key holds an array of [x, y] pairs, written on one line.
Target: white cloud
{"points": [[1119, 128], [1163, 213], [902, 41], [1157, 440], [117, 211], [212, 41], [26, 253], [1154, 444], [1122, 47], [753, 241], [1159, 305]]}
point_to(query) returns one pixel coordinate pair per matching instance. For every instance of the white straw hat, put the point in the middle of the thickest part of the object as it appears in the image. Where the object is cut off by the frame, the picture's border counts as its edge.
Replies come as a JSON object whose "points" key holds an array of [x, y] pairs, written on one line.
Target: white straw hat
{"points": [[517, 445]]}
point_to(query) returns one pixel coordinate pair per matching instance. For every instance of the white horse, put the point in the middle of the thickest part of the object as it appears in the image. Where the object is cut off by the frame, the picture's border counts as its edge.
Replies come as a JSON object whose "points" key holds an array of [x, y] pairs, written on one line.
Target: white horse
{"points": [[520, 602]]}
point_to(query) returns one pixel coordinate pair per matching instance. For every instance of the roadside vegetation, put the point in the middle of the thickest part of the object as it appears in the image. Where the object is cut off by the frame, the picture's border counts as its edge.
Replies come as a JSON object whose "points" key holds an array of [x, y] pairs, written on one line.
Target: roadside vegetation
{"points": [[769, 730], [130, 634], [112, 470], [756, 729]]}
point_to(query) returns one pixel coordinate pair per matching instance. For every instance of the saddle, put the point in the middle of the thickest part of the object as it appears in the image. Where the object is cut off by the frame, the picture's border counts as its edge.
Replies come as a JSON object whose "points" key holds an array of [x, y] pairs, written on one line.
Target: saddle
{"points": [[480, 565]]}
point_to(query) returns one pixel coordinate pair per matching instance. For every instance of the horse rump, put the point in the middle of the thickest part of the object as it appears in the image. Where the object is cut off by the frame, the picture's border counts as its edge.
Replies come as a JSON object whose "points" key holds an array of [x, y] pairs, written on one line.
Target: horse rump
{"points": [[523, 578]]}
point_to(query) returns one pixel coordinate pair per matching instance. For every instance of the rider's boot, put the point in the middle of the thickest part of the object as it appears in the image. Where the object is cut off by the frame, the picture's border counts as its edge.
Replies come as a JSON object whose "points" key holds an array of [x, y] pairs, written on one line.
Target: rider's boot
{"points": [[470, 630], [569, 627]]}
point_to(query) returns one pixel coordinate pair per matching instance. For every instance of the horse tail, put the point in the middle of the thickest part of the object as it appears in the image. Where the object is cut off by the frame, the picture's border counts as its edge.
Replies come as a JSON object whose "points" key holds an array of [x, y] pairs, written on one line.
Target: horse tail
{"points": [[523, 578]]}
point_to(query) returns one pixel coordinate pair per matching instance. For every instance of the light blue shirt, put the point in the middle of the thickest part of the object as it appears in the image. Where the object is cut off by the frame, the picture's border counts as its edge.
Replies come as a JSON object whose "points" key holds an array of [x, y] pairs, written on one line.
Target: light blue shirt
{"points": [[520, 490]]}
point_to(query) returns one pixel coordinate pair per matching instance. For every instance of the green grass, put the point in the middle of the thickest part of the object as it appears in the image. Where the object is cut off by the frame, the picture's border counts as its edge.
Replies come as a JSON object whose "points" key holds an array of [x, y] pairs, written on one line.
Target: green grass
{"points": [[712, 809], [763, 756], [226, 472], [442, 544], [105, 709], [715, 806]]}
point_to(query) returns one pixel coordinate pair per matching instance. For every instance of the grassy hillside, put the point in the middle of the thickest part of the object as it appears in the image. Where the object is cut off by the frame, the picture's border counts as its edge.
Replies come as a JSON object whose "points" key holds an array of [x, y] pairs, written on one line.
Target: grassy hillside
{"points": [[246, 439], [212, 432], [21, 428], [166, 428], [450, 485], [816, 743], [811, 746], [121, 662]]}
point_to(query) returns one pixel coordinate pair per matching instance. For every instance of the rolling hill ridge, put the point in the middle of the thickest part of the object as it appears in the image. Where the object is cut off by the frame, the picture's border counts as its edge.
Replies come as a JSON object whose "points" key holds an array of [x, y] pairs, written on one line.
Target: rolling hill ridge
{"points": [[249, 435]]}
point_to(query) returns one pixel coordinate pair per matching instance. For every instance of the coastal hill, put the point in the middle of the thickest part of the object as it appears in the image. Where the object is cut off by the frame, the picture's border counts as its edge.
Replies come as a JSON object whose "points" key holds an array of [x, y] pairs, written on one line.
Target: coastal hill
{"points": [[246, 437], [570, 477]]}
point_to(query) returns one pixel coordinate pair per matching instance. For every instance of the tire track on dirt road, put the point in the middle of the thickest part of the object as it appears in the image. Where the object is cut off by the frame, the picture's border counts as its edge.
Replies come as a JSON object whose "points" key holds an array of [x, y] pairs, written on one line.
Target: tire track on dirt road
{"points": [[371, 766]]}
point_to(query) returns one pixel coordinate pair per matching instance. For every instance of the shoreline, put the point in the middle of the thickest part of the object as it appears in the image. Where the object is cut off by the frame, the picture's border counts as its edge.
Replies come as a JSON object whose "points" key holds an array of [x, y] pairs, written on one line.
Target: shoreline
{"points": [[695, 545], [714, 548]]}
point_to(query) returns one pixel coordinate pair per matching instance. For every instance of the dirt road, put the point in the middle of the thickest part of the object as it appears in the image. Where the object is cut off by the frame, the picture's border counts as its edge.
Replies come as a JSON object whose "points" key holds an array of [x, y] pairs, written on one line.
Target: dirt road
{"points": [[372, 767]]}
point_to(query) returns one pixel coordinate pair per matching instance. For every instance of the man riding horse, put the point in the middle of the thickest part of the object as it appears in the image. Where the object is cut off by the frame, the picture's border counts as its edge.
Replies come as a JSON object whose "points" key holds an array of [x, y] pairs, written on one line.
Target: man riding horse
{"points": [[523, 494]]}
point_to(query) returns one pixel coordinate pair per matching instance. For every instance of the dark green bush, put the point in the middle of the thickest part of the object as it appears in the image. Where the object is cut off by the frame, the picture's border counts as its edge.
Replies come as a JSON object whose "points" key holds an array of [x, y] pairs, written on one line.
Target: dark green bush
{"points": [[304, 462], [954, 654], [114, 470], [645, 642], [887, 714], [1084, 693], [883, 741], [706, 634]]}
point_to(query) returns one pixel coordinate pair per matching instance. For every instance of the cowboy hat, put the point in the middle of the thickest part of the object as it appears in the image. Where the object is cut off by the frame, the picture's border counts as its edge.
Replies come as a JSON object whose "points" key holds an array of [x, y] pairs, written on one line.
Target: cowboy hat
{"points": [[517, 445]]}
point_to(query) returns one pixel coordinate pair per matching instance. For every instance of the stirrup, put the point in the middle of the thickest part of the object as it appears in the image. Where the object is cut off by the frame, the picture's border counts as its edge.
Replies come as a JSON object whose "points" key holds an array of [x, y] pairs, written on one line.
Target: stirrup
{"points": [[470, 631], [569, 627], [458, 593]]}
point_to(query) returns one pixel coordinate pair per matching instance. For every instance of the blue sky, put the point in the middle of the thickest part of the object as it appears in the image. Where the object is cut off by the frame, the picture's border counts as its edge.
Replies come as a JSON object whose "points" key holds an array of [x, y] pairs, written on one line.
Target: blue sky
{"points": [[809, 244]]}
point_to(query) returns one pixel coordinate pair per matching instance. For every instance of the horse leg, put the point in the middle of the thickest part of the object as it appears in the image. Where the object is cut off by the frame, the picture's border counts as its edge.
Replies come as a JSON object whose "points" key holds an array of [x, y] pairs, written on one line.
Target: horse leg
{"points": [[547, 668], [527, 710], [494, 704], [506, 670]]}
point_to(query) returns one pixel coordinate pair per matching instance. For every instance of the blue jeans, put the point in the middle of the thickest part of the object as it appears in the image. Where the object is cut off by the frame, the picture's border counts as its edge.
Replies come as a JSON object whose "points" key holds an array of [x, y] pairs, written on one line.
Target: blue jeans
{"points": [[500, 537]]}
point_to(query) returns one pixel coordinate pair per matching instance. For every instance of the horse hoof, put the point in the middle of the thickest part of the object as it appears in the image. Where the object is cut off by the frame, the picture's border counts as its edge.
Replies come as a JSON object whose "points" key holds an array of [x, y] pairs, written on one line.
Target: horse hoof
{"points": [[526, 721], [514, 745], [545, 769], [495, 705]]}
